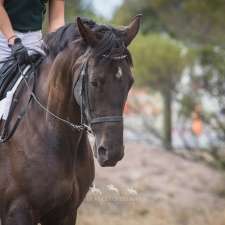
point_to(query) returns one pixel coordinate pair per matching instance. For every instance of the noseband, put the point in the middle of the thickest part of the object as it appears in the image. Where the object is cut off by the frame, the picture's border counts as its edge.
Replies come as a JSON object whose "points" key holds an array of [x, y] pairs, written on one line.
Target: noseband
{"points": [[81, 93]]}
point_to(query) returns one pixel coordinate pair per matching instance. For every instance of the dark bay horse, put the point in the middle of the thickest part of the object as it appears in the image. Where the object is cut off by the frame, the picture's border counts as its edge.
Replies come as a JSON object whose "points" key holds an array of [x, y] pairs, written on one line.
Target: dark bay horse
{"points": [[47, 167]]}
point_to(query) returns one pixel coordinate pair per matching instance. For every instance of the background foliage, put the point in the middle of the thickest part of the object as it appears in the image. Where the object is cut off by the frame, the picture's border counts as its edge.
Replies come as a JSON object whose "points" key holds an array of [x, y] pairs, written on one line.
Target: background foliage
{"points": [[200, 26], [177, 36]]}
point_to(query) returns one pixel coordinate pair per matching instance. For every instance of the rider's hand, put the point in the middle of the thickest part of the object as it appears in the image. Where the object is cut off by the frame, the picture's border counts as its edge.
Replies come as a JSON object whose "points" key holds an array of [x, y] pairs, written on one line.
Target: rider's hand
{"points": [[19, 51]]}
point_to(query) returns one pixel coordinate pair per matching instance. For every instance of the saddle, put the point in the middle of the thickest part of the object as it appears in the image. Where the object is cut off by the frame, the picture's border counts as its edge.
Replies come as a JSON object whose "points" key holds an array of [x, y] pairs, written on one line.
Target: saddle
{"points": [[11, 75]]}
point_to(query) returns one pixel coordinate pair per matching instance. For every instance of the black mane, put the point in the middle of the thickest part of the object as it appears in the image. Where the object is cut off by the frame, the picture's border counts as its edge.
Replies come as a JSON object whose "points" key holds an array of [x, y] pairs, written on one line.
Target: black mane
{"points": [[111, 43], [56, 41]]}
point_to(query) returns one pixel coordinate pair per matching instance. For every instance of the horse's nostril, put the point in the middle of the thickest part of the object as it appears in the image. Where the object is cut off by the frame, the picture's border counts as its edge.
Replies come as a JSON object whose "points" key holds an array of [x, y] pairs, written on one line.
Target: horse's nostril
{"points": [[102, 151]]}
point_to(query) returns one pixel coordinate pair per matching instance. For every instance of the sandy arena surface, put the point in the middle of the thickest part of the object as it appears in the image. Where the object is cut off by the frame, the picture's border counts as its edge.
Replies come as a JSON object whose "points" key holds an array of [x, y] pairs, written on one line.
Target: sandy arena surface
{"points": [[155, 187]]}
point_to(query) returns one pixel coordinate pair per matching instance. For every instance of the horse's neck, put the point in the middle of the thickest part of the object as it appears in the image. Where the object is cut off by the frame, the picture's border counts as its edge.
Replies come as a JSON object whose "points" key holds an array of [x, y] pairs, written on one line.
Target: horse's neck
{"points": [[55, 91]]}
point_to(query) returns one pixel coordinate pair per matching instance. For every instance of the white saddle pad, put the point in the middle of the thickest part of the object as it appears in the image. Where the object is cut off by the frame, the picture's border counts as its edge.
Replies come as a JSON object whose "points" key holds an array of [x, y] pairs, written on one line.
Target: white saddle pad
{"points": [[6, 102]]}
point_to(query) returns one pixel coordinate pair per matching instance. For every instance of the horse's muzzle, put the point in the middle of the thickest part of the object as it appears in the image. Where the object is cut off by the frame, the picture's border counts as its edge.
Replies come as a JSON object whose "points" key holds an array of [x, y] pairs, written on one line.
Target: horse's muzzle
{"points": [[109, 157]]}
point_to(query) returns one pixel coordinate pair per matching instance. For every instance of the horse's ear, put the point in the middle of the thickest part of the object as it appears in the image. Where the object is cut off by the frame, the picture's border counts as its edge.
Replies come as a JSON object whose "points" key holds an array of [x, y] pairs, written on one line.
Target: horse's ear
{"points": [[132, 29], [86, 33]]}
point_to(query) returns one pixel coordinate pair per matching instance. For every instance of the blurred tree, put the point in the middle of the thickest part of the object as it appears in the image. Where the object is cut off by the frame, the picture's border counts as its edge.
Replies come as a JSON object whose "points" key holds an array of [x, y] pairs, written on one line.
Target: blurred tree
{"points": [[198, 21], [75, 8], [159, 63], [72, 7], [212, 83], [201, 21], [200, 24], [130, 8]]}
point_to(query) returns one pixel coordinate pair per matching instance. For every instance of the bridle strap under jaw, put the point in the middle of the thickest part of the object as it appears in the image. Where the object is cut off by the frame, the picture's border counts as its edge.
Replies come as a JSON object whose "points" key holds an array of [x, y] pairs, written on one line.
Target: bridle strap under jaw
{"points": [[104, 119]]}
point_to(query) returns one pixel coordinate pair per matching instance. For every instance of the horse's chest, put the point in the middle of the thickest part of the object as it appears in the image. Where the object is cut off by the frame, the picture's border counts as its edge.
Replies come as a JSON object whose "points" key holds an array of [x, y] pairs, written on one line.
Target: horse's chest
{"points": [[47, 182], [51, 191]]}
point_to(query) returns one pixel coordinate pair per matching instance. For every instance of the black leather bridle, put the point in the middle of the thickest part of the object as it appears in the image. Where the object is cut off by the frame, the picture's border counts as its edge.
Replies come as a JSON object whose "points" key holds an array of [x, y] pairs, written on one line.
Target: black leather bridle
{"points": [[81, 94]]}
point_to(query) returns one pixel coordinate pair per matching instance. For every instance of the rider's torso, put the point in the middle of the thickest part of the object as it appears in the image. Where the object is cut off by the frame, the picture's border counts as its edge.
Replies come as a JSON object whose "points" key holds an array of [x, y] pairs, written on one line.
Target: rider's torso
{"points": [[26, 15]]}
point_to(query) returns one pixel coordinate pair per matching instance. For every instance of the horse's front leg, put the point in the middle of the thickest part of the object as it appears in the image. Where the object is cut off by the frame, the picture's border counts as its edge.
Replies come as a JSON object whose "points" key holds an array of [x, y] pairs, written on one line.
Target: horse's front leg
{"points": [[65, 214], [18, 212], [69, 219]]}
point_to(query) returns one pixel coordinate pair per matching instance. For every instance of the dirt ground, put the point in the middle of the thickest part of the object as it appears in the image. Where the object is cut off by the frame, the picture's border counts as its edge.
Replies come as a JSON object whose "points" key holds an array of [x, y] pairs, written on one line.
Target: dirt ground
{"points": [[154, 187]]}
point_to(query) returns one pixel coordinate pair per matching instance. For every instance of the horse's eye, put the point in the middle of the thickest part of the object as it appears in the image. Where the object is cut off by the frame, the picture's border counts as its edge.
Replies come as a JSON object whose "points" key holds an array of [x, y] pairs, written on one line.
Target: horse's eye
{"points": [[94, 83]]}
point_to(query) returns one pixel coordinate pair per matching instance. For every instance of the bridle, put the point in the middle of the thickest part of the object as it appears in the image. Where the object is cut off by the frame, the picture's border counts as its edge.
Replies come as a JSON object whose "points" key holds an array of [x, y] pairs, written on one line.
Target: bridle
{"points": [[81, 93]]}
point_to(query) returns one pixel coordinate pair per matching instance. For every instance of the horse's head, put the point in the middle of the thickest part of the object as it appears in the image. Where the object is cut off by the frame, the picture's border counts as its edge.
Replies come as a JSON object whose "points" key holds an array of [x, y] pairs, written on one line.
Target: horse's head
{"points": [[102, 87]]}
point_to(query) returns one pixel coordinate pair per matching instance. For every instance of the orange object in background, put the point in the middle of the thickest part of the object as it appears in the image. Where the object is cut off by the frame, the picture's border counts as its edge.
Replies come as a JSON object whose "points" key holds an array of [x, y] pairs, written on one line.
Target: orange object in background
{"points": [[126, 108], [197, 126]]}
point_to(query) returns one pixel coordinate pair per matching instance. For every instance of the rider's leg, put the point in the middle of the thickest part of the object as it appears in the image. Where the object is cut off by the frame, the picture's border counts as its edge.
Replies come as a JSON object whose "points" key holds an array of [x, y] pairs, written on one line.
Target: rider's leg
{"points": [[31, 40]]}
